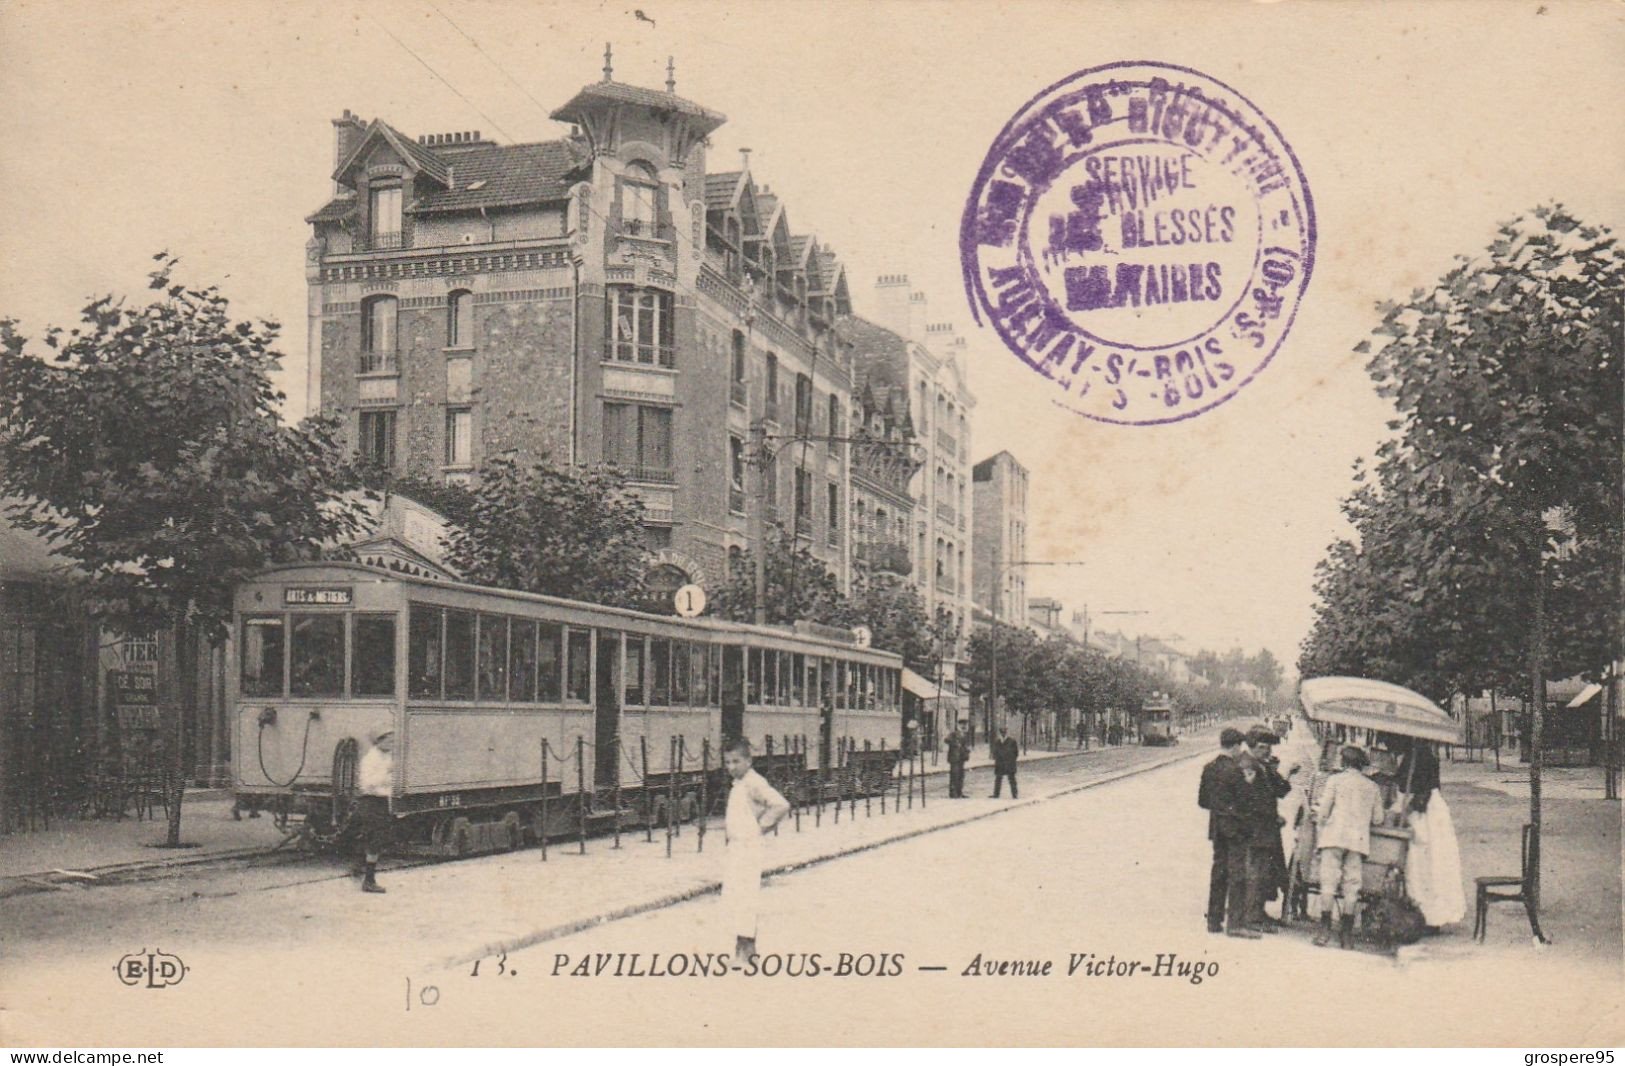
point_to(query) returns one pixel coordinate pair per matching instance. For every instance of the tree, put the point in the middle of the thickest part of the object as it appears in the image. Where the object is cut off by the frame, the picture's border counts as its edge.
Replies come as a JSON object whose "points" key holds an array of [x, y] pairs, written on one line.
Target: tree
{"points": [[896, 615], [558, 532], [799, 587], [150, 451]]}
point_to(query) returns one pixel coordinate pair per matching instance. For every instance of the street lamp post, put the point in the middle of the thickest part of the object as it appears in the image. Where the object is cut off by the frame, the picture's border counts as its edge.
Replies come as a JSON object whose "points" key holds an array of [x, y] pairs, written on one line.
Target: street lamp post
{"points": [[1000, 568]]}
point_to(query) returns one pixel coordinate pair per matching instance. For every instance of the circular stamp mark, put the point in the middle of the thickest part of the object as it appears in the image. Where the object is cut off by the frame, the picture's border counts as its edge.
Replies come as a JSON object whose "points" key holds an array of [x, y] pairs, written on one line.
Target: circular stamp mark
{"points": [[1141, 235]]}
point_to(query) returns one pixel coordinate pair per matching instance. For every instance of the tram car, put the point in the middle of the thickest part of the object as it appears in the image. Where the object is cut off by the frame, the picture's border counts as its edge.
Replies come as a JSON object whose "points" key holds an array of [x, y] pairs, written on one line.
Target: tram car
{"points": [[517, 716], [1158, 727]]}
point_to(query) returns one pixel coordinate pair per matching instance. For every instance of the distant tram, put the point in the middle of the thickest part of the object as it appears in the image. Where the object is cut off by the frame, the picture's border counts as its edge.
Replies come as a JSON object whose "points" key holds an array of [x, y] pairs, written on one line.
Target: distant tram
{"points": [[472, 681], [1158, 726]]}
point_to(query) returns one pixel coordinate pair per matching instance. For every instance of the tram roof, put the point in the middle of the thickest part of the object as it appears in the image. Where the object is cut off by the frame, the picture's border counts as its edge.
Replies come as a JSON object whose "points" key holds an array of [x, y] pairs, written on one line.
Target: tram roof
{"points": [[718, 625]]}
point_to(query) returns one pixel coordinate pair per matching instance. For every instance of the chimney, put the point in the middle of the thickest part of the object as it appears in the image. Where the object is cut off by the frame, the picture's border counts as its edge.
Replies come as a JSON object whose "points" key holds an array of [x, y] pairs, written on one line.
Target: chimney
{"points": [[347, 132], [891, 302], [916, 316]]}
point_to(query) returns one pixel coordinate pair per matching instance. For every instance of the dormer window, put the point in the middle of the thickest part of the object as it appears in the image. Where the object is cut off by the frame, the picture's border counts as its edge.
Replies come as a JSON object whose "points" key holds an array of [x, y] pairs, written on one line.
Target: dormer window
{"points": [[384, 216]]}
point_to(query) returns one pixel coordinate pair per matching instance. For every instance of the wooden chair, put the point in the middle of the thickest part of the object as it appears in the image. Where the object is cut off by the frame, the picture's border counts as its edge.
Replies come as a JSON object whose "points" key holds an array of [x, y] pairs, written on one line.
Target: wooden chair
{"points": [[1522, 889]]}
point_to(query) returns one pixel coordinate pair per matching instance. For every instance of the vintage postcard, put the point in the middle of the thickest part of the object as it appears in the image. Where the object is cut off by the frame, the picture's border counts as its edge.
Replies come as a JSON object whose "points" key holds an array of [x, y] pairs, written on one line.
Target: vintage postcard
{"points": [[811, 524]]}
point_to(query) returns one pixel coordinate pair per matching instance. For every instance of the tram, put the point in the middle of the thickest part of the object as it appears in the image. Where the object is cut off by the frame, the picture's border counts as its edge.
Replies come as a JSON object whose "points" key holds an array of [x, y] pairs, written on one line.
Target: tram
{"points": [[1159, 727], [474, 680]]}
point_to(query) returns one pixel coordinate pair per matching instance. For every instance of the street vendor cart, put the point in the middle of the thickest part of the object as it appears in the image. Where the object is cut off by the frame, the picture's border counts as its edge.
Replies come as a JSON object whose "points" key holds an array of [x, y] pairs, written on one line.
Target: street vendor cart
{"points": [[1352, 710]]}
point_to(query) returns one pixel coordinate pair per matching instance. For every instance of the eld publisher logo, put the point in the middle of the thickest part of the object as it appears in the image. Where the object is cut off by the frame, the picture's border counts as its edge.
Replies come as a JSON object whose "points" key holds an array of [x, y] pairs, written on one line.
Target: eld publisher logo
{"points": [[151, 969]]}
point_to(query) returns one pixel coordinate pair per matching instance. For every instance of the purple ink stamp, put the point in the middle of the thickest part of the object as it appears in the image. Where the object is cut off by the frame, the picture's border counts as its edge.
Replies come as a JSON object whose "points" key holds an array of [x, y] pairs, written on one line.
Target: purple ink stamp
{"points": [[1141, 235]]}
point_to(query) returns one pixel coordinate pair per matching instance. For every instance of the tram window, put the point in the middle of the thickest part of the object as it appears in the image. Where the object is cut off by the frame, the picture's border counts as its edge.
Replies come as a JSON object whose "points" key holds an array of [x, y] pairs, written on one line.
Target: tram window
{"points": [[784, 678], [372, 660], [852, 686], [812, 682], [493, 672], [549, 657], [660, 672], [423, 652], [840, 685], [826, 682], [262, 656], [679, 673], [459, 655], [700, 675], [521, 661], [580, 665], [770, 676], [870, 689], [753, 689], [634, 671], [317, 655], [798, 679], [715, 669]]}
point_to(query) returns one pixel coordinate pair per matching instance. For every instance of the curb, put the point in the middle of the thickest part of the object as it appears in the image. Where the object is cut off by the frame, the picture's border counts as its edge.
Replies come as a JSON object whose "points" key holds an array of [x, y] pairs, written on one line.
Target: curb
{"points": [[709, 887]]}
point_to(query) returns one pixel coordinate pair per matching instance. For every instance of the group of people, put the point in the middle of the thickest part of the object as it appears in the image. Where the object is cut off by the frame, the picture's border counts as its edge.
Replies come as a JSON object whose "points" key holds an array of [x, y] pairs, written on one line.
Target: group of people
{"points": [[1240, 790], [1006, 756]]}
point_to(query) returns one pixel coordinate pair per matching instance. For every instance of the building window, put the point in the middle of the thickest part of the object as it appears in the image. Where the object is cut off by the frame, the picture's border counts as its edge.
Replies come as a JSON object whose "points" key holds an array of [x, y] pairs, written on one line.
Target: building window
{"points": [[833, 512], [637, 440], [385, 216], [736, 391], [640, 326], [377, 443], [803, 499], [379, 315], [770, 486], [804, 404], [736, 475], [460, 319], [459, 436], [770, 388], [638, 193], [833, 415]]}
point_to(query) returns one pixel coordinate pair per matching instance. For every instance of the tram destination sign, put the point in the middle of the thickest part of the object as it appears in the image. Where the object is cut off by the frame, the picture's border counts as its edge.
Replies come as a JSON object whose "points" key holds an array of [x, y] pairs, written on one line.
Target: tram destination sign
{"points": [[314, 596]]}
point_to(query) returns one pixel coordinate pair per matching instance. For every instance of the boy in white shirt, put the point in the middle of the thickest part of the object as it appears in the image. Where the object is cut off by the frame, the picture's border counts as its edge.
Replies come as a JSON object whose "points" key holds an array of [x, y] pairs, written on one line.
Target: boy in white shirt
{"points": [[754, 807]]}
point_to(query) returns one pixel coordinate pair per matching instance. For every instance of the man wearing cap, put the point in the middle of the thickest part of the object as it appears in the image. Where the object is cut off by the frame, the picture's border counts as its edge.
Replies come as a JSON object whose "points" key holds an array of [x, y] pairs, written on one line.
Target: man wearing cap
{"points": [[958, 755], [374, 825], [1260, 743], [1348, 806], [1218, 794]]}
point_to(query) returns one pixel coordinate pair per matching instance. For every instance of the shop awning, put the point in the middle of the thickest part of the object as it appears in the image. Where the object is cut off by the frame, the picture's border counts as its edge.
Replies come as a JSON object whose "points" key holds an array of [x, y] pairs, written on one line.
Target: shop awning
{"points": [[1585, 695], [919, 686]]}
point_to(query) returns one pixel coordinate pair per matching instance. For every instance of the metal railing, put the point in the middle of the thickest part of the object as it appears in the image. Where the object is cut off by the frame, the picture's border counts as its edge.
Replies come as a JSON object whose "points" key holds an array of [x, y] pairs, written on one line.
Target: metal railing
{"points": [[770, 410], [659, 475], [379, 242], [736, 392], [378, 362], [736, 499], [885, 556], [946, 442], [945, 512]]}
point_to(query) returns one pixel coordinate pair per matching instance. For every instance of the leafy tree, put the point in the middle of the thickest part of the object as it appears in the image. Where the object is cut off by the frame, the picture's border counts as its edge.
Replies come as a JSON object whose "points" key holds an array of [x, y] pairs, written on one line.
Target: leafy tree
{"points": [[896, 615], [150, 451], [799, 587], [554, 531]]}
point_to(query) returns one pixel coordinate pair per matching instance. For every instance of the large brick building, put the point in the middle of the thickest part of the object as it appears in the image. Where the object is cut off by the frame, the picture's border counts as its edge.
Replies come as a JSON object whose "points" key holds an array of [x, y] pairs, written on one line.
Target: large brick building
{"points": [[595, 299], [999, 506]]}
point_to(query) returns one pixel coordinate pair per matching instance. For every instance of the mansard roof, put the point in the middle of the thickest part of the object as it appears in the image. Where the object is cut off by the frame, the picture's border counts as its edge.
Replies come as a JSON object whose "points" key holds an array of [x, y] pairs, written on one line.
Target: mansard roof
{"points": [[615, 92]]}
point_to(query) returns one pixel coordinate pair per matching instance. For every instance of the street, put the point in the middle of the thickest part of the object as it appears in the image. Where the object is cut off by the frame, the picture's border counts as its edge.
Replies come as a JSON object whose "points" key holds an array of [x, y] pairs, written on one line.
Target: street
{"points": [[1102, 880]]}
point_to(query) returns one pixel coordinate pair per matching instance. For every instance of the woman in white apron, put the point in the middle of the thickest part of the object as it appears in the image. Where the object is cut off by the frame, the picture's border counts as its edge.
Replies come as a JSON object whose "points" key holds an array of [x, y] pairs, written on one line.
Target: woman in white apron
{"points": [[1433, 864], [754, 807]]}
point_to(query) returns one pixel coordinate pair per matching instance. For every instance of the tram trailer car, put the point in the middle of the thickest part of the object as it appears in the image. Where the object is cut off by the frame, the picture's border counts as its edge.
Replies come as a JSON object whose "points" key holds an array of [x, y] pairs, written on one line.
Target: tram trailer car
{"points": [[472, 680]]}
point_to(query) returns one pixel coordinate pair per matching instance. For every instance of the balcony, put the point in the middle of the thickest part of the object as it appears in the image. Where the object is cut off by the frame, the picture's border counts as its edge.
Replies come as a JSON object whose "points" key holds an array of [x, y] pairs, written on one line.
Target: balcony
{"points": [[736, 393], [736, 499], [770, 410], [961, 521], [651, 475], [945, 512], [884, 557], [945, 583], [946, 442], [379, 242], [804, 525], [380, 362]]}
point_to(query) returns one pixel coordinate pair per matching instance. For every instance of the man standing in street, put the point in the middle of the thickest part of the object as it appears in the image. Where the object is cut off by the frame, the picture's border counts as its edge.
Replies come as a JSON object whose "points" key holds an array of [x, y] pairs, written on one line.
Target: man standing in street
{"points": [[754, 807], [958, 755], [1348, 806], [1260, 743], [1005, 754], [374, 825], [1217, 795]]}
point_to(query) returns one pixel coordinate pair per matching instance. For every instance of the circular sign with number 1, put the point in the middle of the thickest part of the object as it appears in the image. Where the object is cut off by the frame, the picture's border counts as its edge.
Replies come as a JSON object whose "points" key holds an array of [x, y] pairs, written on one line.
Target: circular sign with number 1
{"points": [[689, 600]]}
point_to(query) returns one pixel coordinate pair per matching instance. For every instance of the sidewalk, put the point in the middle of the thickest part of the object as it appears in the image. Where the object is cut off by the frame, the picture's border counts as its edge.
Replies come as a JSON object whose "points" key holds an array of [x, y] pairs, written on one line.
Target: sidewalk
{"points": [[102, 846]]}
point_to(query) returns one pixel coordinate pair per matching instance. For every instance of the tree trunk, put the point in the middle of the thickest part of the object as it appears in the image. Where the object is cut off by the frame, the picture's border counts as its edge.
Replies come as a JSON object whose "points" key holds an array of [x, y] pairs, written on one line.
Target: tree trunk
{"points": [[186, 703], [1537, 716]]}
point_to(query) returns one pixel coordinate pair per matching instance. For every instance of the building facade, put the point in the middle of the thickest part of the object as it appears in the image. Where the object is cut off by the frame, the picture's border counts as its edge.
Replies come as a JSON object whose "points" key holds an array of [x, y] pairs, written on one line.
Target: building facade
{"points": [[594, 300], [999, 528]]}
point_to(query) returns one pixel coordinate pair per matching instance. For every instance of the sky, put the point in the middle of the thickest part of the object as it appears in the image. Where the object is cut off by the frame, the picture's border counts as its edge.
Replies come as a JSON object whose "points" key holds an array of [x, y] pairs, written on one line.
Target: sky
{"points": [[204, 128]]}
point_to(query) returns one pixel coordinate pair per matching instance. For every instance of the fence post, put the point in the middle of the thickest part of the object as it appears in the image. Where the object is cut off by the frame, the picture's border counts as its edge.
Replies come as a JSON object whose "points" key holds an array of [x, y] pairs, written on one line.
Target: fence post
{"points": [[648, 794], [615, 751], [705, 787], [909, 759], [677, 787], [840, 776], [541, 832], [897, 797], [866, 790], [923, 781], [800, 778], [851, 779], [886, 788], [581, 790], [671, 788]]}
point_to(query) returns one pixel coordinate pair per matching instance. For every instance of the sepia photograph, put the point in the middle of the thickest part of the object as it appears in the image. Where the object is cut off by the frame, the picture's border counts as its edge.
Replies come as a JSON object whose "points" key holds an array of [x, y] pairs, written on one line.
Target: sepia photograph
{"points": [[851, 523]]}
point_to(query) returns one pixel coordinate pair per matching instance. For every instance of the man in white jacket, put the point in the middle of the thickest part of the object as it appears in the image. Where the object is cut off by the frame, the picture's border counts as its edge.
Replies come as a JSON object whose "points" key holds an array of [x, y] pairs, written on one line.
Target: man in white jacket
{"points": [[1349, 804]]}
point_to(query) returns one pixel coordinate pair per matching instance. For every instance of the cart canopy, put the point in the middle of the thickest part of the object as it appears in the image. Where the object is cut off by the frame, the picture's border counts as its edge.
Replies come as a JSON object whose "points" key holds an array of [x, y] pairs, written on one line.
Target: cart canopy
{"points": [[1367, 704]]}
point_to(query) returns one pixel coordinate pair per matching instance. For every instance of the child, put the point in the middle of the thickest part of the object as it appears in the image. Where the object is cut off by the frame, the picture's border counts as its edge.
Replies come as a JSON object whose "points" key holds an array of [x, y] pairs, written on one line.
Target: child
{"points": [[754, 807], [1349, 804]]}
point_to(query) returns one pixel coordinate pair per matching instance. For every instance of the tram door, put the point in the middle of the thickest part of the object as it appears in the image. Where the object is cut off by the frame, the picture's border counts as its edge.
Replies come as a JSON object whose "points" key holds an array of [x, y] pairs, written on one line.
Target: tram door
{"points": [[606, 765], [733, 691]]}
